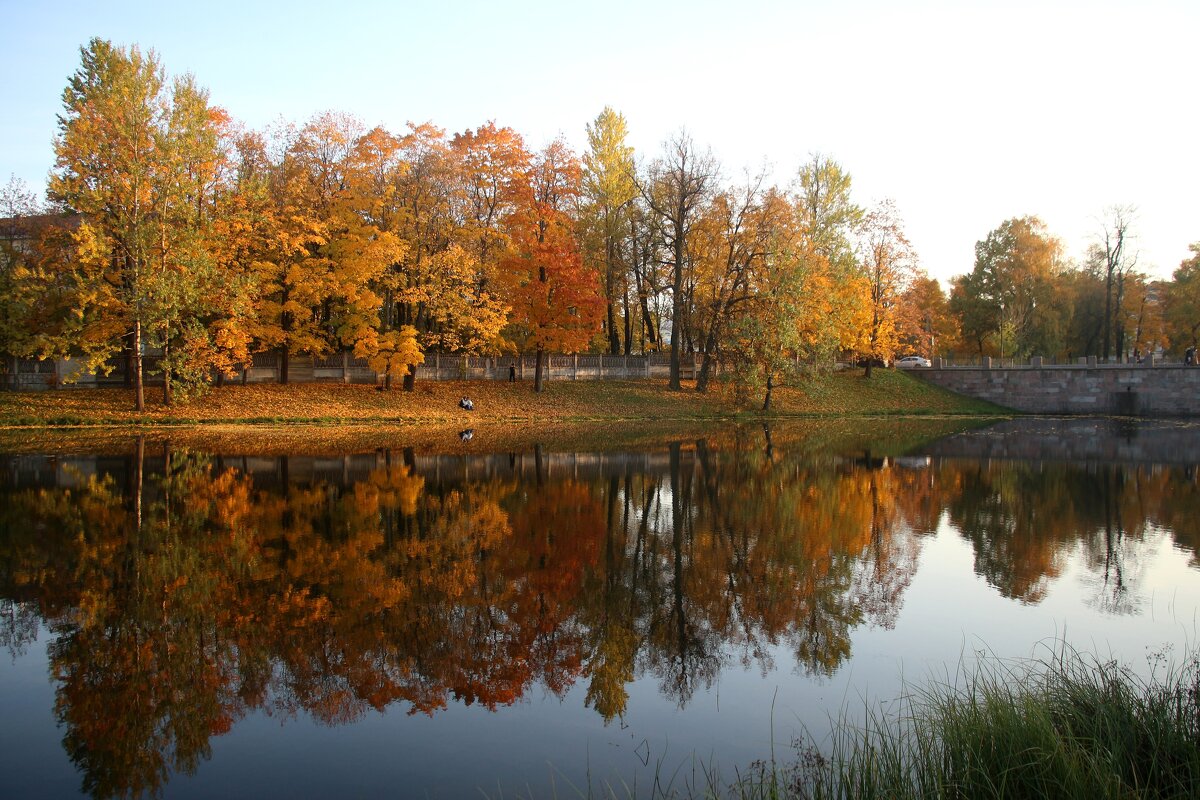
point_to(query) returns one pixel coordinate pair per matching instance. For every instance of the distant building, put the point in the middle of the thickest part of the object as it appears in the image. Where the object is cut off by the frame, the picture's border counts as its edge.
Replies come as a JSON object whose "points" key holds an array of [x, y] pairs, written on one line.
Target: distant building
{"points": [[18, 234], [18, 238]]}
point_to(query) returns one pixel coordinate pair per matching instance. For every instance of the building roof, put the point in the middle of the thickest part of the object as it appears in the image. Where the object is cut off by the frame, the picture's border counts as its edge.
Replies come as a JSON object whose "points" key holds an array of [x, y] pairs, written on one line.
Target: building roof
{"points": [[27, 227]]}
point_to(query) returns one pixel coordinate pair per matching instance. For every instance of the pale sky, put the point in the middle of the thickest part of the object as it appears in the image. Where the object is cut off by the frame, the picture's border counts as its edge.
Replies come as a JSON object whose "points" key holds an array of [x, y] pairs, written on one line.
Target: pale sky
{"points": [[964, 113]]}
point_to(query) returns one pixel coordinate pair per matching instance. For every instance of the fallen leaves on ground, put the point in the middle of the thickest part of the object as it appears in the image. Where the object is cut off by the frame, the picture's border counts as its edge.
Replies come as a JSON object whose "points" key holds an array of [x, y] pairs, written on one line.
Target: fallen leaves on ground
{"points": [[436, 403]]}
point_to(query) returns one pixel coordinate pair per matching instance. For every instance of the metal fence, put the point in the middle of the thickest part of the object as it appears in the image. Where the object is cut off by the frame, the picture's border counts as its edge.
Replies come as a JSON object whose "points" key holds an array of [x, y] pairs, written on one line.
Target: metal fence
{"points": [[343, 367]]}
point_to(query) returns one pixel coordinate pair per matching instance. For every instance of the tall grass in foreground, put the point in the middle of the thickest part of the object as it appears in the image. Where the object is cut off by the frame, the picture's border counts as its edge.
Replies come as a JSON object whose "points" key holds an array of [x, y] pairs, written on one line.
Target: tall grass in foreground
{"points": [[1075, 727], [1071, 727]]}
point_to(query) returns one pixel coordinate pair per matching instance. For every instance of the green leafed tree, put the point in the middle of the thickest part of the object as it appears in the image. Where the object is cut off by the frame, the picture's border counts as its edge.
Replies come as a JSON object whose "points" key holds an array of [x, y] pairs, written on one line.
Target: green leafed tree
{"points": [[140, 161], [107, 167], [1013, 299]]}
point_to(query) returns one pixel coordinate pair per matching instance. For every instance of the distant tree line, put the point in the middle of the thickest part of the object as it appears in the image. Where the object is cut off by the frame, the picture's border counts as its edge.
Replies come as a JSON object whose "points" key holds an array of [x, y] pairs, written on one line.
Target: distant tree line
{"points": [[170, 227]]}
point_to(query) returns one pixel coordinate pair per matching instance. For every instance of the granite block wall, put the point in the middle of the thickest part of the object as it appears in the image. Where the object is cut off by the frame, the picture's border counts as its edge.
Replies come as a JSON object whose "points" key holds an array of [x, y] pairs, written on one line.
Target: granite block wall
{"points": [[1169, 390]]}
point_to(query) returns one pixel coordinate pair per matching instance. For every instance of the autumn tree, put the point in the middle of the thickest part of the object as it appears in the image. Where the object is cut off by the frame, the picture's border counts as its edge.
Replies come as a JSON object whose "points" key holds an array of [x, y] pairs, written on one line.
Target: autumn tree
{"points": [[977, 318], [676, 186], [308, 188], [734, 236], [826, 211], [107, 167], [17, 204], [554, 298], [1183, 303], [366, 249], [38, 291], [888, 264], [193, 299], [1084, 289], [437, 288], [492, 165], [1013, 295], [830, 223], [139, 161], [774, 327], [608, 191], [456, 200], [1141, 321], [925, 318]]}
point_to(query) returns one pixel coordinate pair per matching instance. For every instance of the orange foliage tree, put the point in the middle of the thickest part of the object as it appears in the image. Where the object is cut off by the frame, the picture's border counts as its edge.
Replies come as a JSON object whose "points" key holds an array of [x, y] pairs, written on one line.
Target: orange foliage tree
{"points": [[556, 302]]}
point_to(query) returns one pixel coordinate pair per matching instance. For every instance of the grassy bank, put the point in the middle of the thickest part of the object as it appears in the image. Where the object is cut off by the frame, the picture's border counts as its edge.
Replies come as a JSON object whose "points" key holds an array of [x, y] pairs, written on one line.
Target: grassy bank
{"points": [[887, 392], [1073, 728]]}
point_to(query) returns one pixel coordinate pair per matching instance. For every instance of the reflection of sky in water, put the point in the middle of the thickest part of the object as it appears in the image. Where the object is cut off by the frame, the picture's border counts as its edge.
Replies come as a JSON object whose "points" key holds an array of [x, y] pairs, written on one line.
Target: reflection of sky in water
{"points": [[1126, 601]]}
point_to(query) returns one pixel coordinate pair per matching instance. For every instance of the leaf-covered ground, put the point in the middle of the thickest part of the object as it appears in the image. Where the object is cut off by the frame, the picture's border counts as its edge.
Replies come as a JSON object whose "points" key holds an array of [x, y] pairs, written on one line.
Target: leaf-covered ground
{"points": [[886, 392]]}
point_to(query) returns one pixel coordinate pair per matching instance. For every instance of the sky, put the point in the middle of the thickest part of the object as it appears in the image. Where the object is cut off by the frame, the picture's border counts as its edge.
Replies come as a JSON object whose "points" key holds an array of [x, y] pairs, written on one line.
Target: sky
{"points": [[965, 114]]}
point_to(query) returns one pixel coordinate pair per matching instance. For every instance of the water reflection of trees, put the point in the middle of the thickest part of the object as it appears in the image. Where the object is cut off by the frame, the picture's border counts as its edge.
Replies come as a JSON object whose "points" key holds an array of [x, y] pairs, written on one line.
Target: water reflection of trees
{"points": [[1025, 519], [184, 596]]}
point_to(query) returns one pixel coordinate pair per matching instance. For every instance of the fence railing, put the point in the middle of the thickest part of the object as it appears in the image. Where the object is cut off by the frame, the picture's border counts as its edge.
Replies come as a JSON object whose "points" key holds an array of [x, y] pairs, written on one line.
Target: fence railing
{"points": [[1036, 362], [345, 368]]}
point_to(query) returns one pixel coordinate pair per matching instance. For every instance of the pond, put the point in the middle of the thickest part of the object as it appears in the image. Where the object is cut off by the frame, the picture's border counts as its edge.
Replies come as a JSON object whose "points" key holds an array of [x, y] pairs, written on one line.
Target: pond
{"points": [[246, 620]]}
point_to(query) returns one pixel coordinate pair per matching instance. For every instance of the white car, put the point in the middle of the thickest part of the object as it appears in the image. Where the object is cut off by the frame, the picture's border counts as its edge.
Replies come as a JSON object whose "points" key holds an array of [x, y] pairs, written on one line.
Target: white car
{"points": [[908, 362]]}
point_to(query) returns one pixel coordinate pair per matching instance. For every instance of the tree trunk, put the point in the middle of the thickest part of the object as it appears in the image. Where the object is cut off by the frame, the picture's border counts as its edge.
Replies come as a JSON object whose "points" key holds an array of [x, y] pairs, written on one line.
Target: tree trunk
{"points": [[676, 314], [1118, 315], [652, 340], [127, 353], [410, 378], [628, 323], [1107, 313], [766, 406], [166, 374], [710, 345], [539, 360], [614, 339], [139, 395], [705, 370], [285, 324]]}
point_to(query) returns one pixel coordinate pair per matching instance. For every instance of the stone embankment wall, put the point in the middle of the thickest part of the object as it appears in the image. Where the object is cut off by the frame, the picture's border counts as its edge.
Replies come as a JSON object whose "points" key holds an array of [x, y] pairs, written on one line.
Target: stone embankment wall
{"points": [[1146, 390]]}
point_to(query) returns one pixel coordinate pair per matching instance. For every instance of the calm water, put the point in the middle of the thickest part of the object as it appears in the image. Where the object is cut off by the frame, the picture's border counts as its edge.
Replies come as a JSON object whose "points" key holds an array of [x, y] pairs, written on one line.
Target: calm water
{"points": [[399, 623]]}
